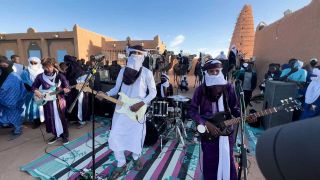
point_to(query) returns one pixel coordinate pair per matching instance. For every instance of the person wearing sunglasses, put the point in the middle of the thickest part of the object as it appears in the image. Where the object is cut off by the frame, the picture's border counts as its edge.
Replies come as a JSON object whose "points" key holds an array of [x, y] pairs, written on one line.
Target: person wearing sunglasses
{"points": [[28, 76]]}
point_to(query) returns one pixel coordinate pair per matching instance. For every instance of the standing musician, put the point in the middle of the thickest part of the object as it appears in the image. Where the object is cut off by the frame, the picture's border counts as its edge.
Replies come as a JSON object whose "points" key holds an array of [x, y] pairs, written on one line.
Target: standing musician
{"points": [[54, 111], [215, 95], [134, 80]]}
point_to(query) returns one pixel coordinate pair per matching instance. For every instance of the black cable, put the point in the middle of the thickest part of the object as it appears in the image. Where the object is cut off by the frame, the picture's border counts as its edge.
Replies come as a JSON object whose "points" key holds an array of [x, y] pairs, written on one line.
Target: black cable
{"points": [[67, 164]]}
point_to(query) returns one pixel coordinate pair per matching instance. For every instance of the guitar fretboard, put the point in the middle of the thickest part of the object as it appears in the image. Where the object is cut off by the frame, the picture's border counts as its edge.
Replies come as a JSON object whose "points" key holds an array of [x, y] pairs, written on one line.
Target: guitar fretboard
{"points": [[116, 101], [255, 115], [59, 91]]}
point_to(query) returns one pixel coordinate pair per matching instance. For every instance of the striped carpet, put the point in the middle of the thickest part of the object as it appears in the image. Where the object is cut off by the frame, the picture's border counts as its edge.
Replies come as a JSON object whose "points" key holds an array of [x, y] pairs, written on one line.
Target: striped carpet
{"points": [[172, 162]]}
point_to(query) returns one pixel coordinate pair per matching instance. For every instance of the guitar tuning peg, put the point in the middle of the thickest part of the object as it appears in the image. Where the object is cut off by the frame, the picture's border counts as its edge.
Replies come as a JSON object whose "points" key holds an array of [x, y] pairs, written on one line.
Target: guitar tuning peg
{"points": [[282, 101], [290, 98], [291, 110]]}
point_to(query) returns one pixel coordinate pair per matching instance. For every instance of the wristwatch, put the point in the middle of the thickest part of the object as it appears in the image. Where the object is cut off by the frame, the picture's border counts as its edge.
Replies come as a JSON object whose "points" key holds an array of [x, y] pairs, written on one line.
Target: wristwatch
{"points": [[201, 128]]}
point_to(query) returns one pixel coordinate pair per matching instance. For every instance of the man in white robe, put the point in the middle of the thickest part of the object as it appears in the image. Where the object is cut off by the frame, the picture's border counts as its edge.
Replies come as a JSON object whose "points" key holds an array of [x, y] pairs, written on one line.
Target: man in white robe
{"points": [[135, 81]]}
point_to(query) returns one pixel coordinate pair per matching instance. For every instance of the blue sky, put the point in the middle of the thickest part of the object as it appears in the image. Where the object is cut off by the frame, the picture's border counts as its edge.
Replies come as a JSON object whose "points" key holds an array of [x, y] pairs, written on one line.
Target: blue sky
{"points": [[191, 25]]}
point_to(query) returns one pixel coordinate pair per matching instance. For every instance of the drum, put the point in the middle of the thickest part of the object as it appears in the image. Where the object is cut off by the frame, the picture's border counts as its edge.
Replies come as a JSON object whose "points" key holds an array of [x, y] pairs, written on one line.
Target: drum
{"points": [[154, 127], [174, 112], [160, 108], [182, 105]]}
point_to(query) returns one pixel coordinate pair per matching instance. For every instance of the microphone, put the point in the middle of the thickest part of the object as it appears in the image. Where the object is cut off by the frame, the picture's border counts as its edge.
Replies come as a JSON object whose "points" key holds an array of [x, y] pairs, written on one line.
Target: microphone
{"points": [[290, 151]]}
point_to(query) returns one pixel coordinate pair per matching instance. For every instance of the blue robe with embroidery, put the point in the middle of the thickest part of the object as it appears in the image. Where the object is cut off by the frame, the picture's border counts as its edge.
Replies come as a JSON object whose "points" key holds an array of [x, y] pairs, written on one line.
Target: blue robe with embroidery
{"points": [[31, 108], [12, 97]]}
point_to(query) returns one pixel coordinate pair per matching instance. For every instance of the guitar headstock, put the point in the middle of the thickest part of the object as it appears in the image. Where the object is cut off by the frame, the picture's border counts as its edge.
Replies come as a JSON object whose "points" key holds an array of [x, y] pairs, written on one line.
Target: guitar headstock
{"points": [[290, 104]]}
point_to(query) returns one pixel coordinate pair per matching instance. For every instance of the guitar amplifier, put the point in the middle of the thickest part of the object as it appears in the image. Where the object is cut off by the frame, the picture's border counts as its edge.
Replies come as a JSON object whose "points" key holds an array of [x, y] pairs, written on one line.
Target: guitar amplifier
{"points": [[275, 92], [104, 107]]}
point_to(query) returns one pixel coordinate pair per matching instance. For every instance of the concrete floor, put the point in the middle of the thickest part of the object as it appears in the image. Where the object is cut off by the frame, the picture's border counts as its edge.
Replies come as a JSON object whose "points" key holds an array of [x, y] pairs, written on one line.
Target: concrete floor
{"points": [[31, 145]]}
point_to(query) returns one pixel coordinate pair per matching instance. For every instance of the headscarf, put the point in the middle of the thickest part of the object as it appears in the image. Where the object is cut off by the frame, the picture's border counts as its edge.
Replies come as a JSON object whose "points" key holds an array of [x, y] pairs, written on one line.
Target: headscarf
{"points": [[165, 77], [134, 65], [5, 71], [221, 56], [164, 84], [245, 65], [135, 61], [35, 69], [234, 49], [214, 84], [313, 90], [314, 59], [74, 70], [313, 62], [298, 64]]}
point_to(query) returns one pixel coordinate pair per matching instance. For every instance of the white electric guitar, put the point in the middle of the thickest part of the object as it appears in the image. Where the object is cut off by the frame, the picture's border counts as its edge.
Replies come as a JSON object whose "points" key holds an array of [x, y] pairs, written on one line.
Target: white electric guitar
{"points": [[125, 102]]}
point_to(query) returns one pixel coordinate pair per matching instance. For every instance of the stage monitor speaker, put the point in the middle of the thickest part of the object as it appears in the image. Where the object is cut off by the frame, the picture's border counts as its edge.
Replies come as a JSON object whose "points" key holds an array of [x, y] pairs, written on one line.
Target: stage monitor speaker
{"points": [[274, 93]]}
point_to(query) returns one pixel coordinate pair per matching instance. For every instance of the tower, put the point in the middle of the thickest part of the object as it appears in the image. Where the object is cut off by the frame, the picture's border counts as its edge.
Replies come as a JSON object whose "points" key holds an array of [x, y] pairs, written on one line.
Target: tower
{"points": [[243, 34]]}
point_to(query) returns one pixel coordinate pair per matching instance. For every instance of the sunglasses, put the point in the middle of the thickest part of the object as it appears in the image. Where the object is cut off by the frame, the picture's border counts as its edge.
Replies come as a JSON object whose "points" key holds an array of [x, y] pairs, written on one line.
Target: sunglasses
{"points": [[136, 52], [33, 63]]}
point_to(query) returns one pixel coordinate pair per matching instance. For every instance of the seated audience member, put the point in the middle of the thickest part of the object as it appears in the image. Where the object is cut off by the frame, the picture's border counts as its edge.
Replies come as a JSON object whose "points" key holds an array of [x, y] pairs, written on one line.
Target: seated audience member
{"points": [[184, 84], [273, 74], [295, 73]]}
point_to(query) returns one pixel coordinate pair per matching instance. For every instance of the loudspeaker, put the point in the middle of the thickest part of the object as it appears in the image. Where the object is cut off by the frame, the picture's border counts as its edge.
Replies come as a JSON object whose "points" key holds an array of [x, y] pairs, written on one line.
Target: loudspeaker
{"points": [[104, 107], [274, 93]]}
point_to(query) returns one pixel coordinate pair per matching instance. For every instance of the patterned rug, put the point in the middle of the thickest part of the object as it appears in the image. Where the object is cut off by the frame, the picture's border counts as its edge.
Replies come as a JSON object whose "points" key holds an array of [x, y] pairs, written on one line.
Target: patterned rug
{"points": [[172, 162]]}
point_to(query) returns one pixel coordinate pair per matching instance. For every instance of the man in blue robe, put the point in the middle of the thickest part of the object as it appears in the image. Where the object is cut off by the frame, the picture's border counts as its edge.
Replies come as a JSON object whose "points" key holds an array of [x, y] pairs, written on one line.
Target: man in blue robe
{"points": [[12, 97]]}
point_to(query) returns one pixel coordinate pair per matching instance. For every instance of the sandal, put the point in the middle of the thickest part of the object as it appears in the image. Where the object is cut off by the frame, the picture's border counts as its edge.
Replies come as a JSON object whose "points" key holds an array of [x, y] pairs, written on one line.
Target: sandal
{"points": [[117, 172], [137, 165]]}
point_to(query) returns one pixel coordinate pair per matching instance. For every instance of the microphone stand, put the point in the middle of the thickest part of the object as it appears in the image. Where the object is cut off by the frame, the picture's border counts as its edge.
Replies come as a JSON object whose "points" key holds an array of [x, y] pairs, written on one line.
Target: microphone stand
{"points": [[243, 166], [90, 77]]}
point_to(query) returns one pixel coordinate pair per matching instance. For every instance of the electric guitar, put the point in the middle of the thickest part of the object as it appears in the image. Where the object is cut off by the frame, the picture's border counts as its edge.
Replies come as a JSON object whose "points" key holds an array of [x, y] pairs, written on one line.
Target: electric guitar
{"points": [[125, 102], [222, 119], [51, 94]]}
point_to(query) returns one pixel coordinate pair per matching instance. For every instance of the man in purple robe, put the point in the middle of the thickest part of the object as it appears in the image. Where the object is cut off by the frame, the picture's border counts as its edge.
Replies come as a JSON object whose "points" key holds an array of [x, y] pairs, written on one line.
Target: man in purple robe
{"points": [[54, 111], [218, 162]]}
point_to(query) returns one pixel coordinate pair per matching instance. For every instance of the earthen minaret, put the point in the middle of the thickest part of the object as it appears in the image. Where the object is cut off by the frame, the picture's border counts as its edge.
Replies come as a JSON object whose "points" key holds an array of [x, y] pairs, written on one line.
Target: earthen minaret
{"points": [[243, 34]]}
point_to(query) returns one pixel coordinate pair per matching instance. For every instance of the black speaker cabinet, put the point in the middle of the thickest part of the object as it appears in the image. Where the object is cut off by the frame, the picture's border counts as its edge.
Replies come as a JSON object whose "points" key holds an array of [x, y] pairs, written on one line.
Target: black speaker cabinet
{"points": [[275, 92]]}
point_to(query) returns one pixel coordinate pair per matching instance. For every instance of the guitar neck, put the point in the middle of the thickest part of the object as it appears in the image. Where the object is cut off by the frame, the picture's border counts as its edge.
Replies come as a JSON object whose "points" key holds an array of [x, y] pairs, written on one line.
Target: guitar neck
{"points": [[60, 91], [255, 115], [109, 98]]}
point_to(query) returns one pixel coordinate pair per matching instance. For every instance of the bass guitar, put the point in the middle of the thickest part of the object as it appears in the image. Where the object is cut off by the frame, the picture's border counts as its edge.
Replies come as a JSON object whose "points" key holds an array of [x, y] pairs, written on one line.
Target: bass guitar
{"points": [[51, 94], [223, 120]]}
